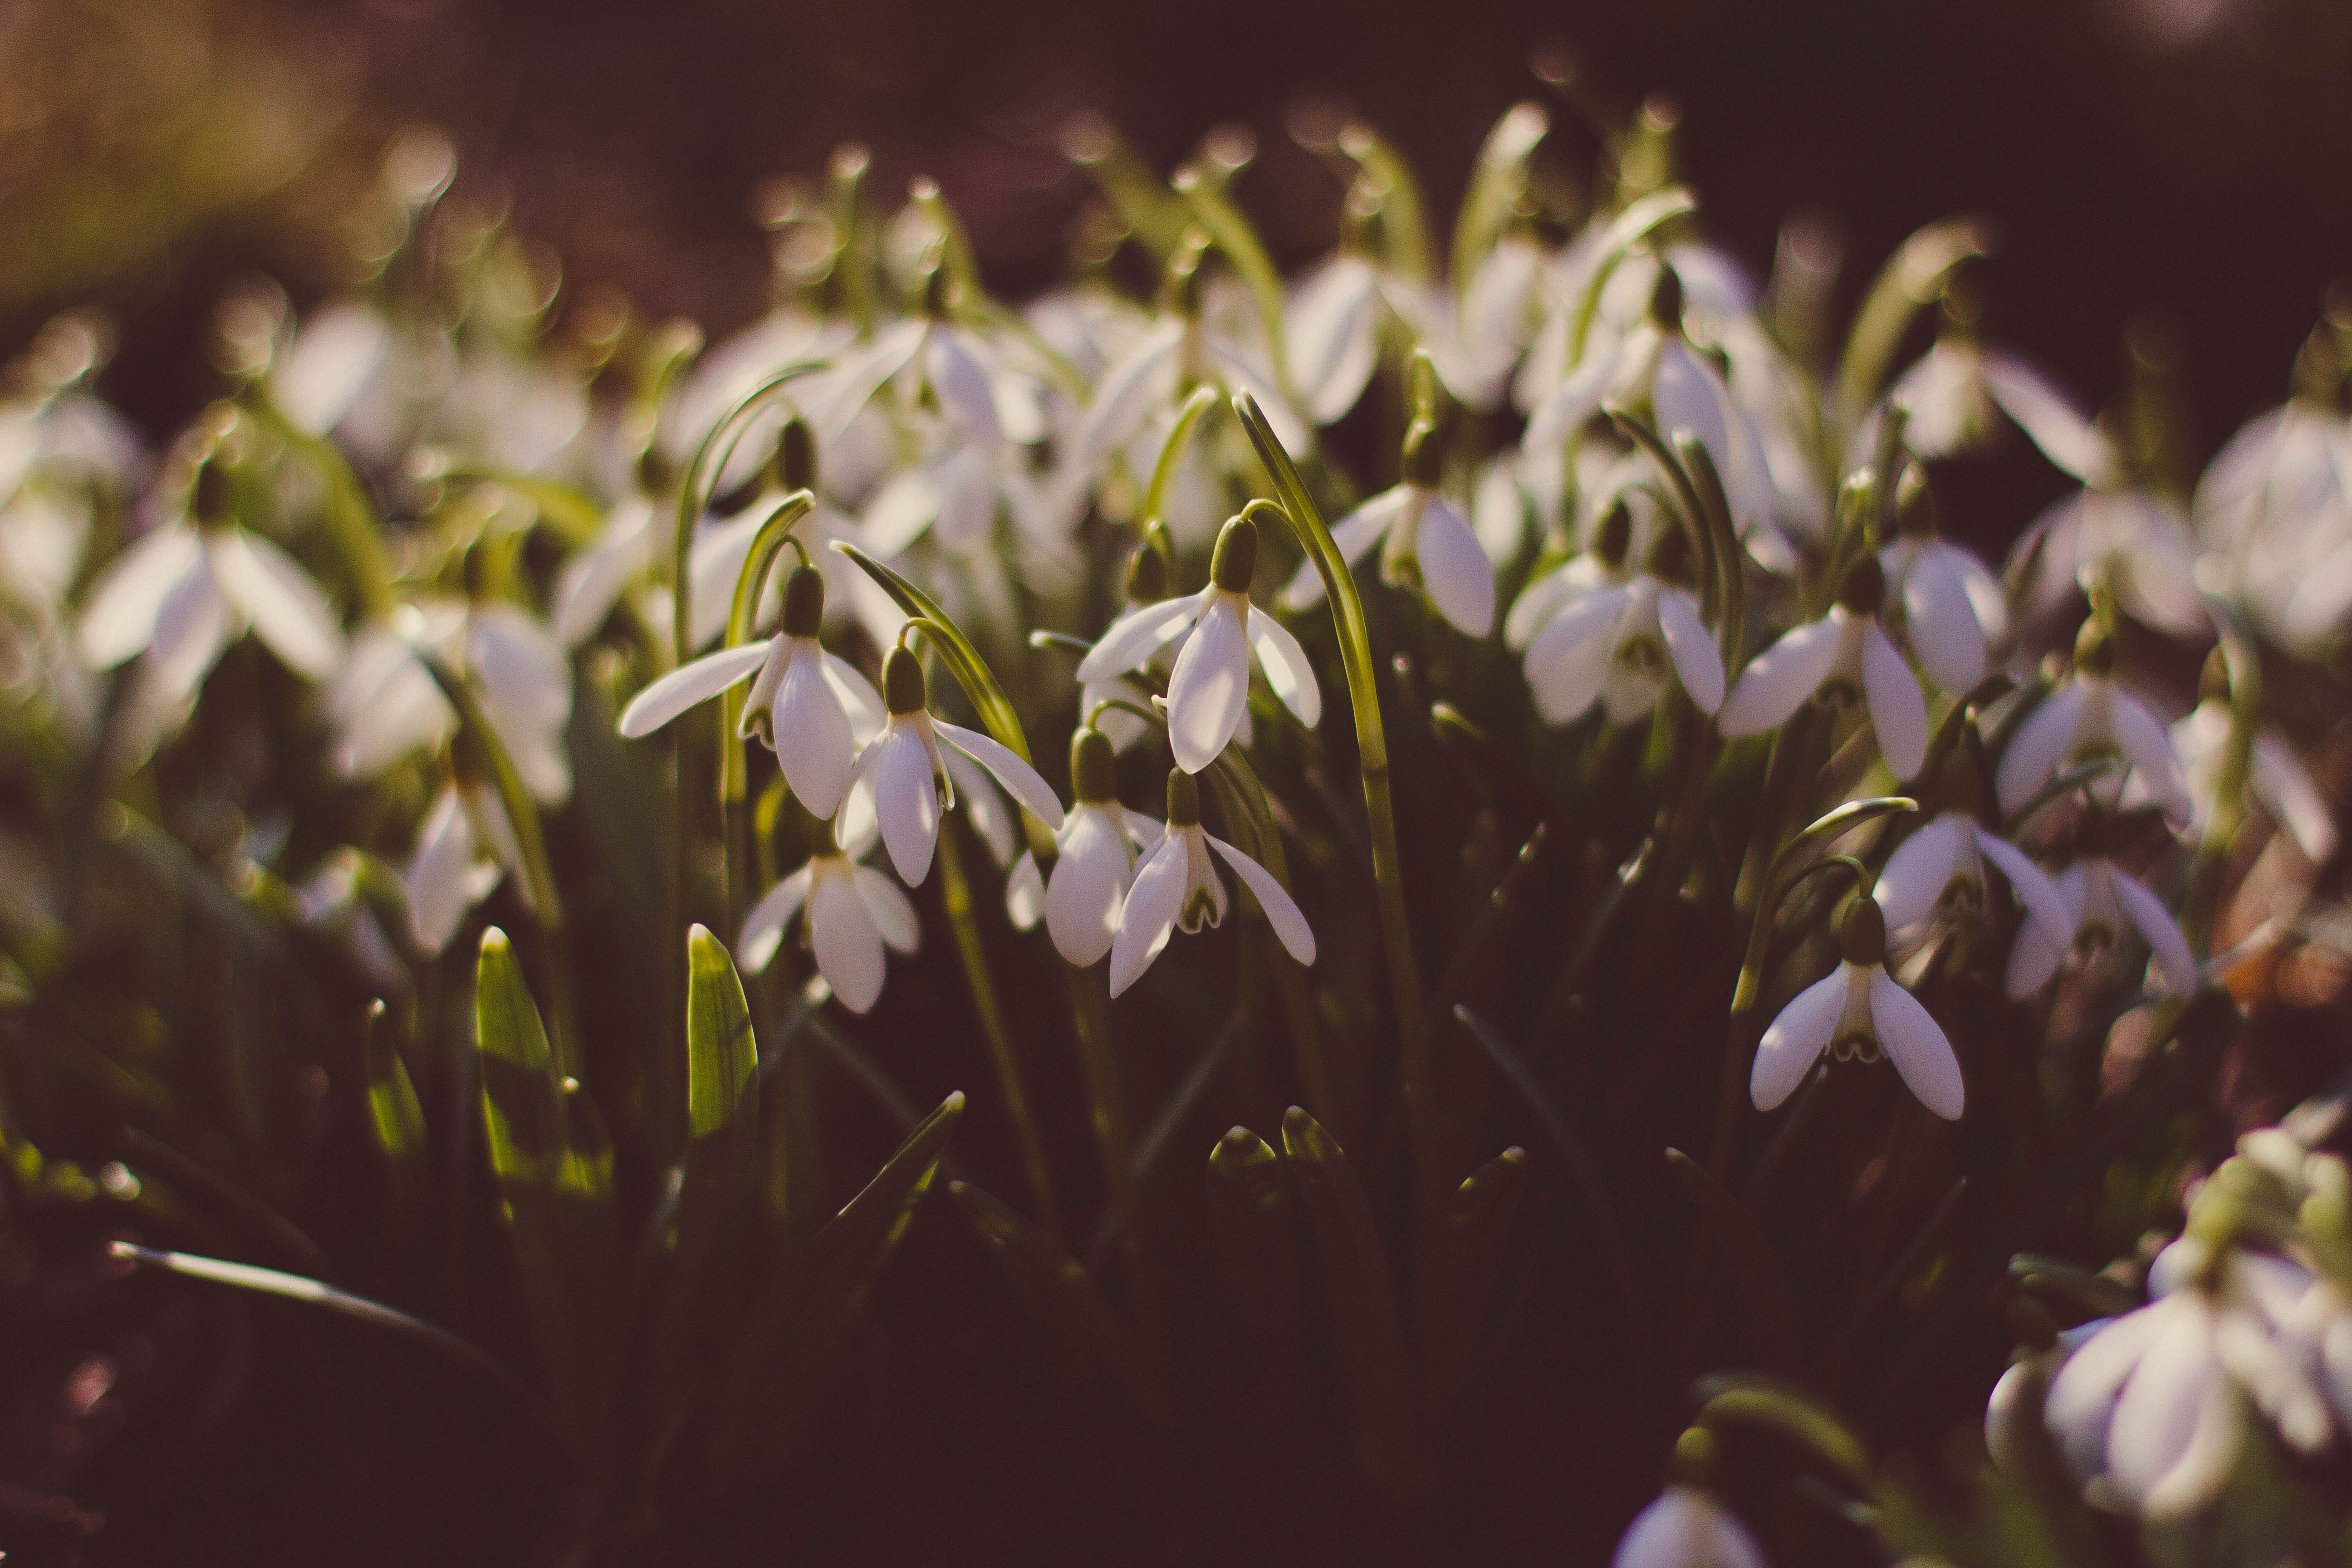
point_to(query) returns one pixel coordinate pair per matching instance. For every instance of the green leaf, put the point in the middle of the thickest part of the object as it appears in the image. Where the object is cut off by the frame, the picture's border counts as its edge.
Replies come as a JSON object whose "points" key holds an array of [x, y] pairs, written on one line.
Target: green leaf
{"points": [[393, 1113], [722, 1053], [1453, 1333], [1254, 1220], [1750, 1400], [1495, 185], [1078, 1337], [1769, 1316], [522, 1095], [1360, 1298], [1627, 229], [1914, 277]]}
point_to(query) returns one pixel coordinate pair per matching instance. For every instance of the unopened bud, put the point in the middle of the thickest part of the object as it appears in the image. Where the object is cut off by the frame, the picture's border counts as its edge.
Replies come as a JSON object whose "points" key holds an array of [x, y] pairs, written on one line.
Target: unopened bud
{"points": [[1234, 562]]}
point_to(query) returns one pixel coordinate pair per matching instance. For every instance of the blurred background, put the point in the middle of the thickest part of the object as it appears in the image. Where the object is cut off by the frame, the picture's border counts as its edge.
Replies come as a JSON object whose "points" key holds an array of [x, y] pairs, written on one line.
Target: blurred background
{"points": [[2173, 170]]}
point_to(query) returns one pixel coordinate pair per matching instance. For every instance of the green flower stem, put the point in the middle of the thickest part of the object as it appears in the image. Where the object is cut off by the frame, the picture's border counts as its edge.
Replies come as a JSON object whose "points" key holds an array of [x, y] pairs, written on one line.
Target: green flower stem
{"points": [[1914, 275], [2200, 904], [955, 894], [538, 871], [1090, 1012], [692, 499], [1188, 420], [734, 770], [1416, 1067], [1405, 229], [351, 518], [1233, 235], [1627, 229]]}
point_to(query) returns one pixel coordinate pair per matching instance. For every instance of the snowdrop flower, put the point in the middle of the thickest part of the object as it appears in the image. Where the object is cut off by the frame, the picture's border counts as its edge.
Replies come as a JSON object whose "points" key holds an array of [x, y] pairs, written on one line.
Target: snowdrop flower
{"points": [[2151, 1411], [1953, 608], [1331, 331], [1685, 1528], [384, 704], [1426, 543], [955, 367], [1953, 391], [2132, 542], [2275, 504], [1165, 362], [1686, 392], [1176, 886], [2088, 718], [1208, 691], [1853, 1015], [465, 846], [335, 359], [1616, 642], [2019, 1393], [2275, 778], [1080, 900], [902, 779], [2101, 900], [721, 547], [593, 579], [1941, 870], [1147, 585], [1841, 656], [810, 707], [852, 913], [193, 586]]}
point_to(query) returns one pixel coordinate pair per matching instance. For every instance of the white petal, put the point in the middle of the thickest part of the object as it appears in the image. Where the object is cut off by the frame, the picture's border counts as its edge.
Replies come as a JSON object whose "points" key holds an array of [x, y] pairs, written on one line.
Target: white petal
{"points": [[1915, 1042], [1128, 390], [984, 802], [2174, 964], [288, 611], [1919, 871], [963, 384], [1698, 663], [688, 684], [715, 563], [899, 512], [2178, 1425], [1685, 1529], [1019, 779], [1777, 681], [1281, 912], [1941, 621], [894, 915], [1082, 898], [1897, 711], [2149, 750], [1541, 599], [1024, 893], [848, 947], [846, 388], [867, 716], [1454, 571], [2080, 1406], [907, 802], [589, 584], [811, 734], [1288, 672], [1147, 915], [1352, 535], [119, 618], [2064, 436], [764, 927], [2034, 750], [1795, 1041], [329, 364], [2042, 901], [1136, 636], [1209, 688], [438, 873], [191, 628], [1569, 657], [1331, 336], [2036, 958], [523, 669]]}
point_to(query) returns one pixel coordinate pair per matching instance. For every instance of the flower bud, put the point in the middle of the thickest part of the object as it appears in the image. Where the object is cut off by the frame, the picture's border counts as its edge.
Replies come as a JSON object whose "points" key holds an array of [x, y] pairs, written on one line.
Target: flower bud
{"points": [[1093, 768], [1424, 457], [2213, 679], [796, 455], [1234, 562], [2095, 649], [1613, 539], [1915, 505], [1183, 800], [214, 501], [1146, 575], [1667, 301], [903, 685], [805, 603], [1862, 939]]}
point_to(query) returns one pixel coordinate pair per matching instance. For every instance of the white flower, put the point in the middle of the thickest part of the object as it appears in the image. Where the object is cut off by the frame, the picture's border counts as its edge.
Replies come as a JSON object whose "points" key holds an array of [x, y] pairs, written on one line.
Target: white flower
{"points": [[593, 579], [1208, 691], [2275, 778], [1426, 543], [1941, 866], [2134, 543], [1616, 640], [812, 710], [1854, 1014], [332, 904], [384, 704], [1953, 608], [1080, 901], [465, 846], [1331, 335], [1835, 656], [2100, 901], [192, 587], [2088, 718], [1176, 885], [1685, 1528], [1951, 394], [853, 912], [716, 559], [2276, 504], [2151, 1411], [902, 778], [1163, 363], [335, 358]]}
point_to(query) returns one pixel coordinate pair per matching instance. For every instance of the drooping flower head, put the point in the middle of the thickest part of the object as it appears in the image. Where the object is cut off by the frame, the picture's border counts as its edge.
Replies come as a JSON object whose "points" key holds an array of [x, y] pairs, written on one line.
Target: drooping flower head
{"points": [[1080, 899], [1953, 608], [1425, 543], [1617, 643], [852, 913], [2088, 718], [1842, 657], [1857, 1013], [1177, 887], [2099, 903]]}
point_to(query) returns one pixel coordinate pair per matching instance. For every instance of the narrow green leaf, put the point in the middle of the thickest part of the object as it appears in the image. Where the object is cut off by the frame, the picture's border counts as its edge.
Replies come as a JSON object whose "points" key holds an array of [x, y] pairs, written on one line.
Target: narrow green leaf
{"points": [[1254, 1219], [1499, 178], [1750, 1400], [1078, 1336], [1452, 1333], [522, 1097], [721, 1055], [394, 1113], [1360, 1297], [1914, 277], [1627, 229]]}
